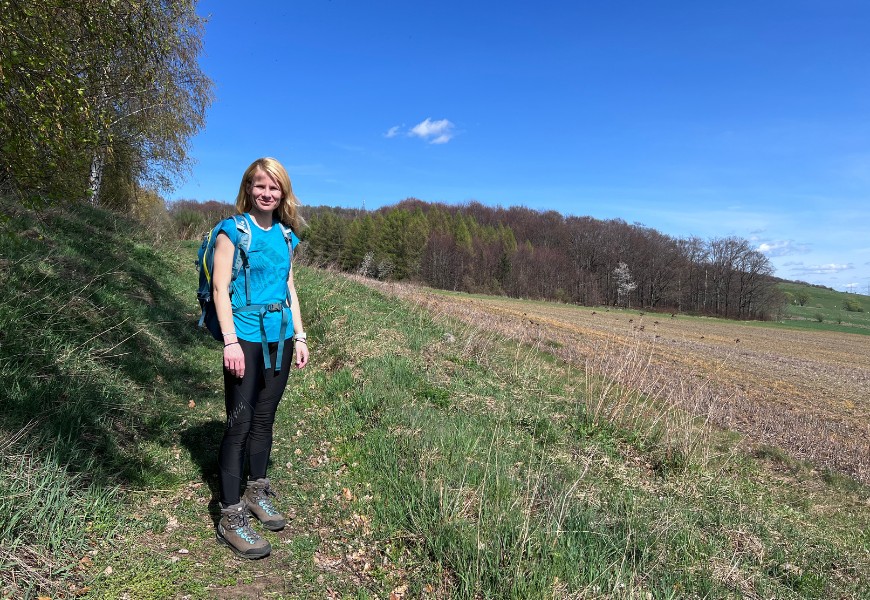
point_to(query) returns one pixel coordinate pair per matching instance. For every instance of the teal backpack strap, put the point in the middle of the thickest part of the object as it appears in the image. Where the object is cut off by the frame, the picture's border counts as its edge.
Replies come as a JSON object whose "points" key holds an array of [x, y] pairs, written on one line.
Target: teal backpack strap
{"points": [[241, 263], [288, 237], [243, 248], [261, 310]]}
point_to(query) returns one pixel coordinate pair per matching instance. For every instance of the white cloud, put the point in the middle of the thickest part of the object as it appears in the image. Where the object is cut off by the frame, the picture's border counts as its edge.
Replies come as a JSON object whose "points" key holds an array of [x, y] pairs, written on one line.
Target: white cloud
{"points": [[827, 269], [434, 132], [783, 248]]}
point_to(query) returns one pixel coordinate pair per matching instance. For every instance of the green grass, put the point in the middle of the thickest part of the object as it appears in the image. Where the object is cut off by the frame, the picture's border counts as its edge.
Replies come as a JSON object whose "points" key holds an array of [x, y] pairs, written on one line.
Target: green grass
{"points": [[422, 456], [823, 309]]}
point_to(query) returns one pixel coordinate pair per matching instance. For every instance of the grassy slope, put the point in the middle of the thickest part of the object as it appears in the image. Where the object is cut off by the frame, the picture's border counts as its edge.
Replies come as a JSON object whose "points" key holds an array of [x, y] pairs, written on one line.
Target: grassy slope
{"points": [[422, 457], [824, 309]]}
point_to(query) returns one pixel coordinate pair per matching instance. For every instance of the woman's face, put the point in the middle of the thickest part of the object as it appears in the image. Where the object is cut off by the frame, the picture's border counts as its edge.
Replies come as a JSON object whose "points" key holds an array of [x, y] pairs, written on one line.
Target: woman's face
{"points": [[264, 192]]}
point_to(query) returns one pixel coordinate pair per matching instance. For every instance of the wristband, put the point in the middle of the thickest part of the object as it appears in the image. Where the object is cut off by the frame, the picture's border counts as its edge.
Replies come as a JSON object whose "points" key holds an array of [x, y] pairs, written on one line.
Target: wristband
{"points": [[300, 337], [230, 344]]}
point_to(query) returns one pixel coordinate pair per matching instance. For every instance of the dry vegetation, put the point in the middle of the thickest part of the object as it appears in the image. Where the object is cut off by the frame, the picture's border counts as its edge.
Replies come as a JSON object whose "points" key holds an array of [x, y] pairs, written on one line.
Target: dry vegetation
{"points": [[803, 391]]}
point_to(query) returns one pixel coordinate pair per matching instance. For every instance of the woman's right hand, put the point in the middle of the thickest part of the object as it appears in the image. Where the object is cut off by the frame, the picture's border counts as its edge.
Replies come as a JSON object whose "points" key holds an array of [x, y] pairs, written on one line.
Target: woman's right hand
{"points": [[234, 359]]}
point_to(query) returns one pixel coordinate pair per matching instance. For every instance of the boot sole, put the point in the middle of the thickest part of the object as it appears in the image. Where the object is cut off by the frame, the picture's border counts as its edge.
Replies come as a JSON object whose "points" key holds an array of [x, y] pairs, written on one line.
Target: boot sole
{"points": [[274, 525], [237, 552], [270, 525]]}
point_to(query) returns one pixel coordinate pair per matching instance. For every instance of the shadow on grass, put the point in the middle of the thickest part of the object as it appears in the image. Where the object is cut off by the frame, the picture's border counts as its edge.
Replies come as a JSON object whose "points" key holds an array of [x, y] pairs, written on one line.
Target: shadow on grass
{"points": [[106, 354], [203, 441]]}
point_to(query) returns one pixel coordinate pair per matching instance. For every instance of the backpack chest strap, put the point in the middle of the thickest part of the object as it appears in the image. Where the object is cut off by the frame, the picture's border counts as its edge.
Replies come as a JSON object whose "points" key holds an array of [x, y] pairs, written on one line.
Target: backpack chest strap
{"points": [[262, 309]]}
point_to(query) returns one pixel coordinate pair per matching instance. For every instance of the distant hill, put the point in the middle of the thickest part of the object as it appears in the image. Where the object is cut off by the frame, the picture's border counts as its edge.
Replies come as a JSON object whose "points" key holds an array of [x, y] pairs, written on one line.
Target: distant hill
{"points": [[819, 307]]}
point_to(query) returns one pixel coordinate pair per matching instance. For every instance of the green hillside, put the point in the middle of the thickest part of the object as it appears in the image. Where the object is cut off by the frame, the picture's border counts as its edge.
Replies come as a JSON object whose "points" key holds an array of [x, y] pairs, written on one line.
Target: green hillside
{"points": [[423, 458], [814, 307]]}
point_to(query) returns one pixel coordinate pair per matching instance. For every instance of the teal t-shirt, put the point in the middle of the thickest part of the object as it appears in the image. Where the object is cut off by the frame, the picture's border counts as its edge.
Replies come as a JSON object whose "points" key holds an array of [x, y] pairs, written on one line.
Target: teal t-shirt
{"points": [[269, 263]]}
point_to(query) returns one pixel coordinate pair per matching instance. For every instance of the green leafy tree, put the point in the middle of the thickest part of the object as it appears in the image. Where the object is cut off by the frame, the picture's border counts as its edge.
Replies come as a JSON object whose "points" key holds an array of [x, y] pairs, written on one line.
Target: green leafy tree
{"points": [[414, 240], [326, 236], [97, 90], [852, 305], [393, 242], [461, 233], [358, 243], [802, 297]]}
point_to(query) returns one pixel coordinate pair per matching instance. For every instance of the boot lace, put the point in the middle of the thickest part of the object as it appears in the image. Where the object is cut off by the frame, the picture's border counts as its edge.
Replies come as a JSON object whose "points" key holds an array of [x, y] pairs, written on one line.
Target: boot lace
{"points": [[262, 493], [238, 522]]}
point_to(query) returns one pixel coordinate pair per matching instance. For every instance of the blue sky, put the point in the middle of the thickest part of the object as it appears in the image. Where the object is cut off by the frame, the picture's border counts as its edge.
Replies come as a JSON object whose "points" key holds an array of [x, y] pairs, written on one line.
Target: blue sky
{"points": [[694, 118]]}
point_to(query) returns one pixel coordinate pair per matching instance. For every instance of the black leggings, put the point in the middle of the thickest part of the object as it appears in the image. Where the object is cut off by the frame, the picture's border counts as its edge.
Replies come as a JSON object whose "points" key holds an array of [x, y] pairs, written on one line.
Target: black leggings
{"points": [[251, 404]]}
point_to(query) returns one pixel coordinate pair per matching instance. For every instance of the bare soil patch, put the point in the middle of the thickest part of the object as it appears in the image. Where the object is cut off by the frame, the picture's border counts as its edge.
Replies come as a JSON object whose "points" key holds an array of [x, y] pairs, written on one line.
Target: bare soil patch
{"points": [[807, 392]]}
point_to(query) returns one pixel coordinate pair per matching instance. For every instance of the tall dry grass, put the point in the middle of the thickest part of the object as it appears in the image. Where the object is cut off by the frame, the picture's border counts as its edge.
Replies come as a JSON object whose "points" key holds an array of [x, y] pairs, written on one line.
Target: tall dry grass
{"points": [[623, 385], [703, 381]]}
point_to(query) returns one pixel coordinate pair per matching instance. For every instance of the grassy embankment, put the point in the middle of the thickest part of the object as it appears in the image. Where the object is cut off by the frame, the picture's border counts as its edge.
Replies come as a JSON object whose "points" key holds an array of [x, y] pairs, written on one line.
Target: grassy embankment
{"points": [[423, 457]]}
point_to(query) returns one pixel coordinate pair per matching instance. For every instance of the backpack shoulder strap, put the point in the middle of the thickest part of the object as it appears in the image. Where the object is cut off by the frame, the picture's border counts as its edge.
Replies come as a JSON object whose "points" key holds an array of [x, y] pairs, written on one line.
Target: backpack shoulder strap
{"points": [[243, 243], [243, 246], [287, 232], [244, 229]]}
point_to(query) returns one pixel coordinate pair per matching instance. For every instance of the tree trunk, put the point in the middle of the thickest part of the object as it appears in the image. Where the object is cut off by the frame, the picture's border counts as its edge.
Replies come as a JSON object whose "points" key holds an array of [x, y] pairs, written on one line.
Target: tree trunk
{"points": [[96, 179]]}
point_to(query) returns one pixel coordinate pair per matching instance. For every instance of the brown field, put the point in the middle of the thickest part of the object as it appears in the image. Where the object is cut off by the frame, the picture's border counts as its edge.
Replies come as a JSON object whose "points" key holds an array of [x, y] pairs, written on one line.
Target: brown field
{"points": [[806, 392]]}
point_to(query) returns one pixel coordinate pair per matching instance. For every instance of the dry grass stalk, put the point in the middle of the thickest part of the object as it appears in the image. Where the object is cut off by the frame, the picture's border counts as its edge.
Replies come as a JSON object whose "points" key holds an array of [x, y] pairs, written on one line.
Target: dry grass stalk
{"points": [[764, 384]]}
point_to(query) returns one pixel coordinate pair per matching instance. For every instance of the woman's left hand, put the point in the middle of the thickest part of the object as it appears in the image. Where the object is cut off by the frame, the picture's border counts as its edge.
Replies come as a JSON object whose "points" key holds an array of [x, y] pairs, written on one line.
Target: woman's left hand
{"points": [[301, 354]]}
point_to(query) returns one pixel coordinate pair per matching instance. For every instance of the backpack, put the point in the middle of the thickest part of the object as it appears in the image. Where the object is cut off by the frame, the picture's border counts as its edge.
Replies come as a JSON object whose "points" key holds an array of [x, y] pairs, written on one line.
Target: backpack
{"points": [[205, 265]]}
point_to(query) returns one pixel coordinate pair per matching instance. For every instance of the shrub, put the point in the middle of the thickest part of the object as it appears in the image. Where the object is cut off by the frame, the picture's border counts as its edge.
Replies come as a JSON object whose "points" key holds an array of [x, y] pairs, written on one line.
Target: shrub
{"points": [[853, 305]]}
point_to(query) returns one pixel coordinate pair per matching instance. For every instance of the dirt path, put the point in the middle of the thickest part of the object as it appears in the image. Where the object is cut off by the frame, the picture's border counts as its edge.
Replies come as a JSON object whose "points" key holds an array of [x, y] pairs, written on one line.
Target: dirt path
{"points": [[807, 392]]}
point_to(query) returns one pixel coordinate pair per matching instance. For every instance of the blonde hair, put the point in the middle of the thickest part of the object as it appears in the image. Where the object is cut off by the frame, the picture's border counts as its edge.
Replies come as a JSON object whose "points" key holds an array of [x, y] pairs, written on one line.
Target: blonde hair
{"points": [[288, 209]]}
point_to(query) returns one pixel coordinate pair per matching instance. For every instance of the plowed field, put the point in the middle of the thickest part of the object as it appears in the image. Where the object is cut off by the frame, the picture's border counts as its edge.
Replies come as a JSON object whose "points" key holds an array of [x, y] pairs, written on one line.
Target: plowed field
{"points": [[807, 392]]}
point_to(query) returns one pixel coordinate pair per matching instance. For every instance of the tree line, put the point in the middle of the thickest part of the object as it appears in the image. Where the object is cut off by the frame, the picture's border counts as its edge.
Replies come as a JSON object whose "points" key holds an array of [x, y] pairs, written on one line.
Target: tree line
{"points": [[99, 99], [526, 253]]}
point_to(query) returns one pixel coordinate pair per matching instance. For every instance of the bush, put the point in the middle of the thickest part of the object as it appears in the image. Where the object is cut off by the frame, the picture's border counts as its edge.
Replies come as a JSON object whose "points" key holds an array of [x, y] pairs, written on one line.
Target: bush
{"points": [[191, 218], [853, 305]]}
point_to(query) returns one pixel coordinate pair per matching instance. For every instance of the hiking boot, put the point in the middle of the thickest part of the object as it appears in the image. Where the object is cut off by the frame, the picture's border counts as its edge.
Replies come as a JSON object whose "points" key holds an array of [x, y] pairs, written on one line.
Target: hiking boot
{"points": [[235, 531], [256, 497]]}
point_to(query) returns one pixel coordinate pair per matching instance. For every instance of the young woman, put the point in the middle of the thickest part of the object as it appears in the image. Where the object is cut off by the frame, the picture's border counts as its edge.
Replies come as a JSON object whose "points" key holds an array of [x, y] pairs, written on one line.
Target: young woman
{"points": [[260, 341]]}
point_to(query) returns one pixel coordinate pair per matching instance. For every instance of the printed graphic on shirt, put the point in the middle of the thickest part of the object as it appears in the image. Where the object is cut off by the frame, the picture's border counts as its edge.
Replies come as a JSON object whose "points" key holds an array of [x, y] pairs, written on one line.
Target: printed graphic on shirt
{"points": [[269, 268]]}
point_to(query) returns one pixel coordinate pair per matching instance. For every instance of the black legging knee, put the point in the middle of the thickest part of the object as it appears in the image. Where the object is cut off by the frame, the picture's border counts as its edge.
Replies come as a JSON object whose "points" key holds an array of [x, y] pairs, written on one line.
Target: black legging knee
{"points": [[251, 403]]}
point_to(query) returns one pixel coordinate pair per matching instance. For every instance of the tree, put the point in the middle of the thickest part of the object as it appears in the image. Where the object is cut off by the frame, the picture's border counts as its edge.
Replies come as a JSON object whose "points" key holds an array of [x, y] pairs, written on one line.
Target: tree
{"points": [[852, 305], [358, 244], [325, 236], [802, 297], [92, 90], [625, 285]]}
